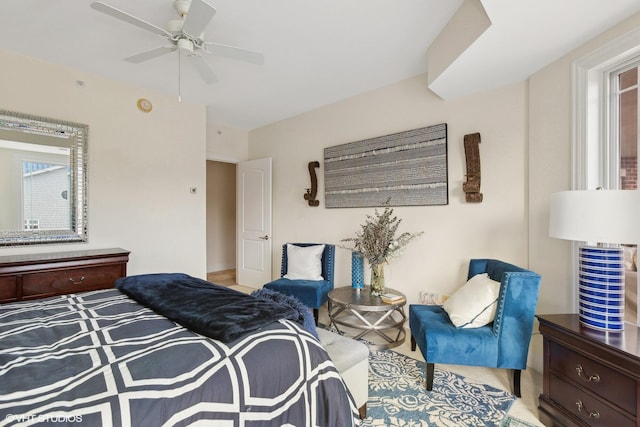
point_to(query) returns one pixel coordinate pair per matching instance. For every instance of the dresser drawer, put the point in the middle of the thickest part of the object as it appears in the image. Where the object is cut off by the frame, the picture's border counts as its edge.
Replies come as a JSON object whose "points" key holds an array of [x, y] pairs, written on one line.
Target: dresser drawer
{"points": [[608, 383], [8, 288], [69, 280], [583, 406]]}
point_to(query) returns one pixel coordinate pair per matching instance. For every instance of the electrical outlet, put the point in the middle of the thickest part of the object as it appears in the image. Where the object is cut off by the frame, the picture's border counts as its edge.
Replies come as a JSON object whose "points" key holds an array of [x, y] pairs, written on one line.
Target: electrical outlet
{"points": [[431, 298]]}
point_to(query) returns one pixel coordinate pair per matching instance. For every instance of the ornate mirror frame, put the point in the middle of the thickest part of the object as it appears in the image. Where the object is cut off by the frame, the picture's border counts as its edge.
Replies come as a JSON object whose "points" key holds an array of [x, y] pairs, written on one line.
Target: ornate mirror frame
{"points": [[25, 128]]}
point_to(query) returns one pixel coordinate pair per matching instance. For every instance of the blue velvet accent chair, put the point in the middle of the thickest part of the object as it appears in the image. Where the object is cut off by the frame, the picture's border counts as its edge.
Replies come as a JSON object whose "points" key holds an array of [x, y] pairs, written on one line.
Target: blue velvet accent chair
{"points": [[312, 293], [504, 343]]}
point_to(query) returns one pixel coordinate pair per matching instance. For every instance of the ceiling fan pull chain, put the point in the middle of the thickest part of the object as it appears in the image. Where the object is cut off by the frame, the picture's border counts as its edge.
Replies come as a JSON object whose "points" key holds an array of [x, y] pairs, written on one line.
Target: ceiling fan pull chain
{"points": [[179, 77]]}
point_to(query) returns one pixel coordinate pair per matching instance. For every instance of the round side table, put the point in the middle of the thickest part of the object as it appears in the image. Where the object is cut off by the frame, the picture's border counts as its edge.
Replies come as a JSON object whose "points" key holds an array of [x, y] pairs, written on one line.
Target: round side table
{"points": [[355, 313]]}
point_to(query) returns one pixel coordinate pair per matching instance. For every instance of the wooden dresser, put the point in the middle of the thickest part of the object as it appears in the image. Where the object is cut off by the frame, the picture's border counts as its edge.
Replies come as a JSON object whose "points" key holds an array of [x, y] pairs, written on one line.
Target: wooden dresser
{"points": [[590, 378], [34, 276]]}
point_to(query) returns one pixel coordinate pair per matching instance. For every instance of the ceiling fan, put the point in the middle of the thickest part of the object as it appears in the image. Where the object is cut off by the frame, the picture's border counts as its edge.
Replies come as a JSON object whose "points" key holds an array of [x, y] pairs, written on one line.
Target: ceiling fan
{"points": [[185, 35]]}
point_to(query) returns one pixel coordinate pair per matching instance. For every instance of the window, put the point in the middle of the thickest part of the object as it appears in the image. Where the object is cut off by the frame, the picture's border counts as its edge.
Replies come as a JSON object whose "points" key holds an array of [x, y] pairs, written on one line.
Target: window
{"points": [[45, 188], [605, 139], [623, 122], [624, 119]]}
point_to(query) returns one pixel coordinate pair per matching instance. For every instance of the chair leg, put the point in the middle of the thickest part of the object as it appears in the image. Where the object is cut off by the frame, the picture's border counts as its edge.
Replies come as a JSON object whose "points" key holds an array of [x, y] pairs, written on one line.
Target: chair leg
{"points": [[413, 343], [430, 369], [362, 411], [315, 315], [516, 382]]}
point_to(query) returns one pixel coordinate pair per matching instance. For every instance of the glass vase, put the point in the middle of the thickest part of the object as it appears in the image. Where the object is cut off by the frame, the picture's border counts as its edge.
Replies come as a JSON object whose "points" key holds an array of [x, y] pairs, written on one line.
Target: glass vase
{"points": [[377, 280]]}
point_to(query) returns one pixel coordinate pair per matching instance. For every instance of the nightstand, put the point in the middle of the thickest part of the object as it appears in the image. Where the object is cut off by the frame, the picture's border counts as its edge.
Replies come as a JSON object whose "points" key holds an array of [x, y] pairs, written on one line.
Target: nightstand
{"points": [[591, 377]]}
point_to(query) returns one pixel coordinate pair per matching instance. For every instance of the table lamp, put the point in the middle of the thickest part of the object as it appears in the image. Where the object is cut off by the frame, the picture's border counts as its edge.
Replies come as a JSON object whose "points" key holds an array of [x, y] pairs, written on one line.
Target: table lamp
{"points": [[601, 219]]}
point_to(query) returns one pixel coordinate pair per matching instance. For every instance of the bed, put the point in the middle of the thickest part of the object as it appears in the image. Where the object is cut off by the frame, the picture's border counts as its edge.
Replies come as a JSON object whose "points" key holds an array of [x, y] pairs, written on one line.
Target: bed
{"points": [[109, 357]]}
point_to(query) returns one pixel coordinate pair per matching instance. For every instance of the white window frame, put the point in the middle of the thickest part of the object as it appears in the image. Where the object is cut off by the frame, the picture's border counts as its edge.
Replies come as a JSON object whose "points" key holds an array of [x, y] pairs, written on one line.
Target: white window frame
{"points": [[594, 142]]}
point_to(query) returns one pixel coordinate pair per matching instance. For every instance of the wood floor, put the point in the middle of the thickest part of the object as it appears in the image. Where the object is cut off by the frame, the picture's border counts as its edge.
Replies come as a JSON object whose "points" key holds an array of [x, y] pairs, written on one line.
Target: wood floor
{"points": [[228, 278], [223, 278]]}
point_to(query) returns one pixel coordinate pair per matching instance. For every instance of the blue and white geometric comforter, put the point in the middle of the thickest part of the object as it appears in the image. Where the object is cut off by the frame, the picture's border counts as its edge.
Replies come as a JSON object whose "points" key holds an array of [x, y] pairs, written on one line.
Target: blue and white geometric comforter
{"points": [[100, 358]]}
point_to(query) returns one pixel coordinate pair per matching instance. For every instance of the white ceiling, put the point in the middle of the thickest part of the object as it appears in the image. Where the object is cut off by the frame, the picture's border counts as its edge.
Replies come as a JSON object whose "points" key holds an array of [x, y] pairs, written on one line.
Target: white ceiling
{"points": [[316, 52]]}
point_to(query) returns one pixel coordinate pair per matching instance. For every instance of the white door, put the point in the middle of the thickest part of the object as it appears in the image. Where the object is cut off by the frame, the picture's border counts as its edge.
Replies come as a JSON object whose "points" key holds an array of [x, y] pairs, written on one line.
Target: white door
{"points": [[253, 193]]}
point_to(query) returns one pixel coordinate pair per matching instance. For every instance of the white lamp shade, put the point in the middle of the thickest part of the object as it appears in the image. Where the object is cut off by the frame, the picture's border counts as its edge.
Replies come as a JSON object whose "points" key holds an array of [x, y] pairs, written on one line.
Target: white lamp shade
{"points": [[597, 216]]}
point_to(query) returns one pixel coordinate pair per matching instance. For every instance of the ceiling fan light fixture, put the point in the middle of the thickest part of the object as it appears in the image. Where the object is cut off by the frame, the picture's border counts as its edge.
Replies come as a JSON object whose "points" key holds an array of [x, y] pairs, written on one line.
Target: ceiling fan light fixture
{"points": [[182, 6], [174, 26], [185, 44]]}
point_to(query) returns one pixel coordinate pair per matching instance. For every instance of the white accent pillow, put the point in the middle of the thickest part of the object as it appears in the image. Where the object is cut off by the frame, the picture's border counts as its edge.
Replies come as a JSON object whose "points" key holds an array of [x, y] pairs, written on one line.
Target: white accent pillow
{"points": [[304, 263], [474, 304], [630, 257]]}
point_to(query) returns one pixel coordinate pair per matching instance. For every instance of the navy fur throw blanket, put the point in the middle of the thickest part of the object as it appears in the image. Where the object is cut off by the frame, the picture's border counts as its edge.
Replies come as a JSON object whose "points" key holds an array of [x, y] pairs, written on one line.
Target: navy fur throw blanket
{"points": [[212, 310], [305, 316]]}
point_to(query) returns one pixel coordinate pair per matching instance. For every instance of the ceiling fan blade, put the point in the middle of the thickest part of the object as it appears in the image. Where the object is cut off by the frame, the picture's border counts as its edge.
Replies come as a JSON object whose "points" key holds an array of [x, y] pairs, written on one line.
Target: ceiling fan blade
{"points": [[199, 16], [124, 16], [150, 54], [204, 69], [235, 53]]}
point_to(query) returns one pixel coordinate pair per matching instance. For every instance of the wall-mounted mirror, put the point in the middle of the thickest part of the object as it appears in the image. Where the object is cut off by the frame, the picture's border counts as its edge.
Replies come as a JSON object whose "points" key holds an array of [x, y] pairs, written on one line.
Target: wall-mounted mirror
{"points": [[43, 180]]}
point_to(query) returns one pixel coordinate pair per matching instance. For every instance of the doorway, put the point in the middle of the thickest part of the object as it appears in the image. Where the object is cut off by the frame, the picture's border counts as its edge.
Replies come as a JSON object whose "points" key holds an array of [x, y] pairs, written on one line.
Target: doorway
{"points": [[221, 222]]}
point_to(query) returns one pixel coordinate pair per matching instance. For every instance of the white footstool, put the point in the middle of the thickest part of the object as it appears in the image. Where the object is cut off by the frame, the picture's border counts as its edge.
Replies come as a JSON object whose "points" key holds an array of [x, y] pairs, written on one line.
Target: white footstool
{"points": [[351, 358]]}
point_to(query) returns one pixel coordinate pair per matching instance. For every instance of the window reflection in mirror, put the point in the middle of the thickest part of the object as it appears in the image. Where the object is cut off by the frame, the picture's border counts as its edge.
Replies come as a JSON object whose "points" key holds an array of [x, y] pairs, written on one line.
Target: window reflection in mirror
{"points": [[42, 180]]}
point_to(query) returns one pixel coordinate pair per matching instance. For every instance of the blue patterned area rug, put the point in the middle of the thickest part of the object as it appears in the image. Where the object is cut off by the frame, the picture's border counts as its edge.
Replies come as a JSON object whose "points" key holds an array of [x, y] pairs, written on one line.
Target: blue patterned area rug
{"points": [[398, 397], [514, 422]]}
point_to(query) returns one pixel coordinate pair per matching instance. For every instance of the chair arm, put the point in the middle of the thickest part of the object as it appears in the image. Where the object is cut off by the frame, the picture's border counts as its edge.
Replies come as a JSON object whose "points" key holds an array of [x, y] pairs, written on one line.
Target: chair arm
{"points": [[515, 315]]}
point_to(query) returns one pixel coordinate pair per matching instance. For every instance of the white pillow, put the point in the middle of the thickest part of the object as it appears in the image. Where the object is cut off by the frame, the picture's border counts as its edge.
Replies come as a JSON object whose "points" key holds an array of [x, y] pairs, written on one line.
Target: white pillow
{"points": [[304, 263], [630, 255], [474, 304]]}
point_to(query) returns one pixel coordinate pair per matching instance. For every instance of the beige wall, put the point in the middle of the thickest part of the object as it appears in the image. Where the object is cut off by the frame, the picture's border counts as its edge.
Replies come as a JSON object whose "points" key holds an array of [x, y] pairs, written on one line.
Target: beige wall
{"points": [[221, 216], [438, 260], [226, 144], [141, 166]]}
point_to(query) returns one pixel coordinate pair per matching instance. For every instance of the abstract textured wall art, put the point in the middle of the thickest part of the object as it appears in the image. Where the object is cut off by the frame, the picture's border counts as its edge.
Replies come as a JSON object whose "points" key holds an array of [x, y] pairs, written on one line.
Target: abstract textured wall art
{"points": [[409, 168]]}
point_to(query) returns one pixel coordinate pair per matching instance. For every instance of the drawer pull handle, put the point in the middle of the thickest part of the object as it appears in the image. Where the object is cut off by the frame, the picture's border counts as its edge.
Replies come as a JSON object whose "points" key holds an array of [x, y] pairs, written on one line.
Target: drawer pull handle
{"points": [[76, 282], [593, 414], [591, 378]]}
